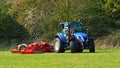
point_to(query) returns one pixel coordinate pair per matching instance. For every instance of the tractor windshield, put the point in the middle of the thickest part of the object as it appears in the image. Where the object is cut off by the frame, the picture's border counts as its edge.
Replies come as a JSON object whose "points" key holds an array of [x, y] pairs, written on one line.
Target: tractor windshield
{"points": [[77, 27]]}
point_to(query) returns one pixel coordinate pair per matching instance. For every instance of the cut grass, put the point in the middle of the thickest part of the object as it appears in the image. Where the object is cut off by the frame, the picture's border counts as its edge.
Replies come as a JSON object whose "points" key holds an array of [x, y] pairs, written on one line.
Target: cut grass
{"points": [[100, 59]]}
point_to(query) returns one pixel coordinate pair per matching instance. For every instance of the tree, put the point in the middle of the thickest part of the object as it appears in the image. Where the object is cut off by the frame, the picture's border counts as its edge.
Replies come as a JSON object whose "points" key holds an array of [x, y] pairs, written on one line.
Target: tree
{"points": [[40, 16], [9, 28], [112, 9]]}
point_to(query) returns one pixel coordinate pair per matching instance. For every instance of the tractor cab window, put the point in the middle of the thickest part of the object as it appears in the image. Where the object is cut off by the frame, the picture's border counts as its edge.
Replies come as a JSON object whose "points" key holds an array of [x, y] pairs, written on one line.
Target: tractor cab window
{"points": [[77, 27], [65, 28]]}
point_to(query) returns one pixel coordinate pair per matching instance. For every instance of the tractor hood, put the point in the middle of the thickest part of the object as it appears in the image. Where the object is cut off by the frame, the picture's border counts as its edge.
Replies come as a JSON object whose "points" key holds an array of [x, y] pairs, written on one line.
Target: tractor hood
{"points": [[80, 36]]}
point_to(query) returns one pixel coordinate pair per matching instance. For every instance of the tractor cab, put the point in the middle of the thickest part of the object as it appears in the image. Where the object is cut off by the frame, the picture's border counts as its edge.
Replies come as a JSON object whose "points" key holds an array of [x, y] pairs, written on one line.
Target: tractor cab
{"points": [[71, 27]]}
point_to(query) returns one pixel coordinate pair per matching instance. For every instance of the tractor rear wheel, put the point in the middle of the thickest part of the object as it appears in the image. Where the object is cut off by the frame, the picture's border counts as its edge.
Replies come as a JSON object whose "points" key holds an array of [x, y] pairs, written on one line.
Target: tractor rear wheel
{"points": [[91, 46], [59, 46], [75, 47]]}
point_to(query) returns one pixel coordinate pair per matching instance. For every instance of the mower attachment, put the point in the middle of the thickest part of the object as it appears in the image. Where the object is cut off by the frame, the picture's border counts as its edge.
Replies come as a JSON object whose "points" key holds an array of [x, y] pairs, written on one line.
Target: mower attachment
{"points": [[34, 48]]}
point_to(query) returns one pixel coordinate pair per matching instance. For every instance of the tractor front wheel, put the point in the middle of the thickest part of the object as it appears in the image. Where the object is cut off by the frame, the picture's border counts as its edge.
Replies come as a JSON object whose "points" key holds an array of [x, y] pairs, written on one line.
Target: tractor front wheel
{"points": [[59, 46], [91, 45], [75, 47]]}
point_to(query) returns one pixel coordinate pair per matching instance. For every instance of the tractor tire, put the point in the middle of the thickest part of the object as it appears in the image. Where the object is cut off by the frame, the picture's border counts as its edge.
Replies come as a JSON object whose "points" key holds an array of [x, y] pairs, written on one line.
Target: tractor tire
{"points": [[80, 48], [21, 47], [91, 46], [59, 46], [75, 48]]}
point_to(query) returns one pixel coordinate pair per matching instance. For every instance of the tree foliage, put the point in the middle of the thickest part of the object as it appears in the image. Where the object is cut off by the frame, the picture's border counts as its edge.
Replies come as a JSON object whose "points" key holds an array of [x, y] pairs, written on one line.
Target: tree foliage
{"points": [[112, 9], [9, 28]]}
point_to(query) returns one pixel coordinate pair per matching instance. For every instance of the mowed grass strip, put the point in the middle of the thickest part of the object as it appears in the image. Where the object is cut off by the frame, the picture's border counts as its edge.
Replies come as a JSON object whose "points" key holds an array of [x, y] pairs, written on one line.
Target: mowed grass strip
{"points": [[100, 59]]}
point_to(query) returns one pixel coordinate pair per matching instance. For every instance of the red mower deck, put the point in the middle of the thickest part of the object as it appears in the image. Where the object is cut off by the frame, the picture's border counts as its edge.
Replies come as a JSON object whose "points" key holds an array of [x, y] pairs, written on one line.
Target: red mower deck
{"points": [[34, 48]]}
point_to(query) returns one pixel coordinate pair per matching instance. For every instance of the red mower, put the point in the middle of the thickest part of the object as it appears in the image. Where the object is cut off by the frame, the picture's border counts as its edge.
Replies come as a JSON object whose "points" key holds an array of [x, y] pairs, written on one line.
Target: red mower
{"points": [[34, 48]]}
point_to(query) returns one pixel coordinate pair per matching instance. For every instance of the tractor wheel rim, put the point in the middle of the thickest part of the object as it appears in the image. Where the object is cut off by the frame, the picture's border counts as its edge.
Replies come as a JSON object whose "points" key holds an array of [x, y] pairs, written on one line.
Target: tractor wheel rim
{"points": [[56, 45]]}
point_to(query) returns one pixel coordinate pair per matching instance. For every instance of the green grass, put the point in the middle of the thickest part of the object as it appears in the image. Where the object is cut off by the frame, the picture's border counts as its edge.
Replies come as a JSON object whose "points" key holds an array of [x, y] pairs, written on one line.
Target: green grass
{"points": [[100, 59]]}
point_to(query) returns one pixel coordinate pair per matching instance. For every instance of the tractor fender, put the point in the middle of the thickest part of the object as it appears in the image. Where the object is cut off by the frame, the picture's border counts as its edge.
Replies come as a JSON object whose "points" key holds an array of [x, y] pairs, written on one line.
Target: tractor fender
{"points": [[61, 37], [21, 45]]}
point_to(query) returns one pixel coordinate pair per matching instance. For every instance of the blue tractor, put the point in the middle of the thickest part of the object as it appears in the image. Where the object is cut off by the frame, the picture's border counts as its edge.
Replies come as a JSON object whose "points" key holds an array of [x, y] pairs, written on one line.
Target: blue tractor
{"points": [[72, 37]]}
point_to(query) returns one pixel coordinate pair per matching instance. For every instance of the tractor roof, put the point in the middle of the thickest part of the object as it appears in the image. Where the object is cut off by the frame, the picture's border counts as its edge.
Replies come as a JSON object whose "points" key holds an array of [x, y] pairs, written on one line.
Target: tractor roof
{"points": [[66, 23]]}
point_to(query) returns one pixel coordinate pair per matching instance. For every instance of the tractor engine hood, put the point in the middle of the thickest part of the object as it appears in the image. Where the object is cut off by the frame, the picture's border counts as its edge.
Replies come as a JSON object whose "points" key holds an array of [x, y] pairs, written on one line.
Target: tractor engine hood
{"points": [[81, 37]]}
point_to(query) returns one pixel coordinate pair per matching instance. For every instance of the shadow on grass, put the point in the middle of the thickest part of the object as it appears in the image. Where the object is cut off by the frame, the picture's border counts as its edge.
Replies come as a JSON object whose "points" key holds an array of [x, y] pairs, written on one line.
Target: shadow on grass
{"points": [[69, 52], [84, 52]]}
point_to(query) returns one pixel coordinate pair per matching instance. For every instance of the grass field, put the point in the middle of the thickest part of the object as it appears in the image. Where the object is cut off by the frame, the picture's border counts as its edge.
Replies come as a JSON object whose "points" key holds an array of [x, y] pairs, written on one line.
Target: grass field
{"points": [[100, 59]]}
